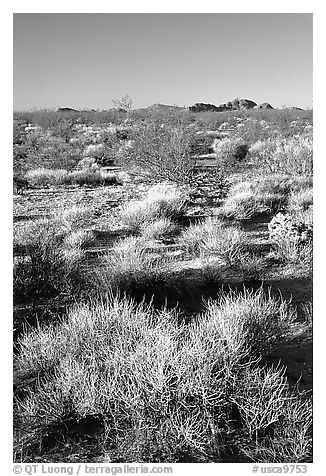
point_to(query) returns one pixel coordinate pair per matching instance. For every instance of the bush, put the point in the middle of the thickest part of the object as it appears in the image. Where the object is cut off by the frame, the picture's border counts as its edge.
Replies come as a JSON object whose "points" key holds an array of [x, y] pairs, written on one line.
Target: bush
{"points": [[53, 255], [248, 324], [245, 201], [92, 177], [47, 271], [85, 176], [162, 201], [161, 151], [279, 423], [44, 177], [262, 195], [213, 239], [292, 240], [156, 390], [300, 200], [163, 227], [75, 217], [292, 155], [230, 150], [129, 268], [78, 239]]}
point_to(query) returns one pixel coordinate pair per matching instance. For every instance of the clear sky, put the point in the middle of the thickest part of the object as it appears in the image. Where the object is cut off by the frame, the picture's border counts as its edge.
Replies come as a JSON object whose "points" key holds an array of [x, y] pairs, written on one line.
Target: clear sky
{"points": [[86, 60]]}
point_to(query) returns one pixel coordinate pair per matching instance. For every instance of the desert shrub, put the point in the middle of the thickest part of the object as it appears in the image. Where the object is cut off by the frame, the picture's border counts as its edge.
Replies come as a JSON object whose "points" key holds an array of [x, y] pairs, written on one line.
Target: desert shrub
{"points": [[162, 201], [292, 155], [44, 149], [124, 364], [212, 238], [246, 200], [247, 324], [263, 195], [130, 268], [46, 271], [78, 239], [88, 163], [52, 258], [91, 176], [300, 200], [162, 227], [75, 217], [307, 309], [253, 130], [43, 229], [94, 150], [278, 421], [20, 183], [230, 150], [44, 177], [292, 240], [161, 151], [251, 267], [85, 177]]}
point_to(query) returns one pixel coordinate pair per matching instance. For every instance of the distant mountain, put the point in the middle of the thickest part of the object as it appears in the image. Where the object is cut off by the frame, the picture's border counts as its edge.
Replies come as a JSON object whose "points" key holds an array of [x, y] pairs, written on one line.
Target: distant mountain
{"points": [[162, 107], [66, 109], [264, 105], [235, 105], [203, 107]]}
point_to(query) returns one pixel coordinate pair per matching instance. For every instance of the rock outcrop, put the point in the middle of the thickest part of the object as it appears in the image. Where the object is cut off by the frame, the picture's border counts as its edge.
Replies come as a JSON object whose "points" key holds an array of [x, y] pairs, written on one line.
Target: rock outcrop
{"points": [[202, 107], [162, 107], [66, 109], [264, 105], [235, 105]]}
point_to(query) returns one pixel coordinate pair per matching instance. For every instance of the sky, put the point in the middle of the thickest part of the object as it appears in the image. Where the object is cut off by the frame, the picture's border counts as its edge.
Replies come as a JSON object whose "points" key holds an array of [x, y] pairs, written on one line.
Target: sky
{"points": [[87, 60]]}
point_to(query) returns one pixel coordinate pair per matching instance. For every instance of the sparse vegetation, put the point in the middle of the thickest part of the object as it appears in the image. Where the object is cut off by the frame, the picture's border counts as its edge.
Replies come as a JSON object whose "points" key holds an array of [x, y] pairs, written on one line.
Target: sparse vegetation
{"points": [[230, 151], [213, 238], [292, 155], [131, 268], [160, 151], [148, 316], [124, 364], [162, 201]]}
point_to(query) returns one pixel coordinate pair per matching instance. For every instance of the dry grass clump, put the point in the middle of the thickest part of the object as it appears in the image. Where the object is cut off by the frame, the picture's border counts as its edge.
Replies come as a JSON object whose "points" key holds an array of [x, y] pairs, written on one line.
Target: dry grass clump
{"points": [[54, 251], [92, 176], [43, 177], [155, 390], [75, 217], [307, 309], [46, 271], [278, 422], [130, 268], [300, 200], [79, 239], [157, 229], [262, 195], [34, 231], [212, 238], [230, 150], [162, 201], [292, 155], [246, 324], [291, 236], [245, 201], [289, 251]]}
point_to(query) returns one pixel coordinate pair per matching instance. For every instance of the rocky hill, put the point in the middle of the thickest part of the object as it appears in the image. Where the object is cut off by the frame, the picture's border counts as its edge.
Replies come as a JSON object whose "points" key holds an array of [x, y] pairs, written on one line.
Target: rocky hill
{"points": [[235, 105]]}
